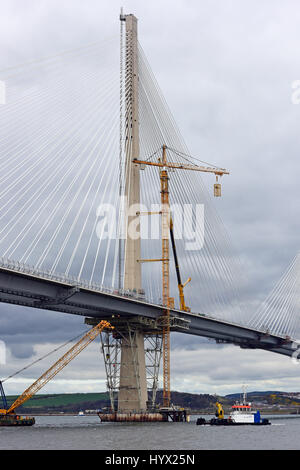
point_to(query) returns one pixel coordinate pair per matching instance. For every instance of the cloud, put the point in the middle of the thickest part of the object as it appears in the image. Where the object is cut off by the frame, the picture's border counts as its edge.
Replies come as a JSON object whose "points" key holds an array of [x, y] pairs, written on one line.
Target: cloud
{"points": [[222, 370]]}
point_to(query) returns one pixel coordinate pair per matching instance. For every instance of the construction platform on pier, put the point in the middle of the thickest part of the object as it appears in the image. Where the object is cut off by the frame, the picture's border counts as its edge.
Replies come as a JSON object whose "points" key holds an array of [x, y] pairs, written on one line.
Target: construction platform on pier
{"points": [[172, 414]]}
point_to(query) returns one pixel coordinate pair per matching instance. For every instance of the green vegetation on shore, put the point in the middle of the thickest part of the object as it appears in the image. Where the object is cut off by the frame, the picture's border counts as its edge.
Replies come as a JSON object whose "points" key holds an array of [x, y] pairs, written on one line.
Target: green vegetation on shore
{"points": [[65, 402], [75, 402]]}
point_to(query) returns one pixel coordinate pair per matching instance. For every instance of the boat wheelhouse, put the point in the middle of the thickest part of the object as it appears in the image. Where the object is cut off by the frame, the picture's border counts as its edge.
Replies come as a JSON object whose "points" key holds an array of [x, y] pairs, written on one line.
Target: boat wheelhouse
{"points": [[243, 413]]}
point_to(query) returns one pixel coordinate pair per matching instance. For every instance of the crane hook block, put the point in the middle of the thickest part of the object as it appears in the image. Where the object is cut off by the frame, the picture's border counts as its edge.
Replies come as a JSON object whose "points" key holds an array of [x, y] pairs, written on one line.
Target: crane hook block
{"points": [[217, 190]]}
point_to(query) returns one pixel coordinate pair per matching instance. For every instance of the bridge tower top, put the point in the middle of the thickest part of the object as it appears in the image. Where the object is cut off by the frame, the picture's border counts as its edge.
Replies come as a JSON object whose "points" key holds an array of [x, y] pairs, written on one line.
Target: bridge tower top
{"points": [[132, 268]]}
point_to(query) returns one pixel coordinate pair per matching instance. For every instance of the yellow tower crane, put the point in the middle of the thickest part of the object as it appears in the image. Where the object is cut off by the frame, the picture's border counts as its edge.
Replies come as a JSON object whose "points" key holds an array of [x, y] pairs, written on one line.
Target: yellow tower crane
{"points": [[164, 165], [58, 366]]}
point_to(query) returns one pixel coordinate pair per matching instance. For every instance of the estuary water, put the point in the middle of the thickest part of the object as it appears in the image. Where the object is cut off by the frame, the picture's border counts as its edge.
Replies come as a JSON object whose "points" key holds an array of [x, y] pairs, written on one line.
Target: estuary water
{"points": [[88, 433]]}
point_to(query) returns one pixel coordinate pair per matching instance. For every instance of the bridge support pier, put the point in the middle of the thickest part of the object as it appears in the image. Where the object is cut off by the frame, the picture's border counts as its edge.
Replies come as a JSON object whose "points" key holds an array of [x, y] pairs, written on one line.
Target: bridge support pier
{"points": [[133, 394], [132, 354]]}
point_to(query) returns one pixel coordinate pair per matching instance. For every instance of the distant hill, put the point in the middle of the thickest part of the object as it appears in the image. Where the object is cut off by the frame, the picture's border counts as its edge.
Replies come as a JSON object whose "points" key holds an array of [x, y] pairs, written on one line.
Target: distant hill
{"points": [[236, 396], [65, 402], [75, 402], [270, 398]]}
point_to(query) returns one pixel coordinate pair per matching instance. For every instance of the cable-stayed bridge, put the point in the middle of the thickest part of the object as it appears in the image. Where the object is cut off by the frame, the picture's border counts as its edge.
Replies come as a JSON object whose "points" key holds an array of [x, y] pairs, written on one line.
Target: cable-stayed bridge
{"points": [[24, 286], [73, 126]]}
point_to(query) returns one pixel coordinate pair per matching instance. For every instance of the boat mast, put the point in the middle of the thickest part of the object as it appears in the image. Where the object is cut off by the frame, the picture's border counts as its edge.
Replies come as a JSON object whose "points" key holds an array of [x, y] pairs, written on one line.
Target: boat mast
{"points": [[244, 395]]}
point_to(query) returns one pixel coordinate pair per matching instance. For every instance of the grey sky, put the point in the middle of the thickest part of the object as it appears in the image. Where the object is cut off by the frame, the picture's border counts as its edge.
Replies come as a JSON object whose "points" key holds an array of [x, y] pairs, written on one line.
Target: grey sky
{"points": [[226, 70]]}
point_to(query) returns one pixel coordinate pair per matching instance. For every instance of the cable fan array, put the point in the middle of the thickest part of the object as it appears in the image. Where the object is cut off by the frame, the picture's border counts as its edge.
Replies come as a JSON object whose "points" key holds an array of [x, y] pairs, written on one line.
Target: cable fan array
{"points": [[213, 266], [279, 313], [63, 145], [59, 143]]}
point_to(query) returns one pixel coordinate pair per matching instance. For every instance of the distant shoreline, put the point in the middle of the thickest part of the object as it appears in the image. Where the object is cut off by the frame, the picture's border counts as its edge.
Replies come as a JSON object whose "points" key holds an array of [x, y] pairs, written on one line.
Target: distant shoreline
{"points": [[269, 403], [192, 413]]}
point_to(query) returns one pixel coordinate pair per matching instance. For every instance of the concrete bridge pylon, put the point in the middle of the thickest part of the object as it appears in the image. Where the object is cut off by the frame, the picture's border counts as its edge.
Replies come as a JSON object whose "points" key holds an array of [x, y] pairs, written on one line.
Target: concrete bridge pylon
{"points": [[133, 383]]}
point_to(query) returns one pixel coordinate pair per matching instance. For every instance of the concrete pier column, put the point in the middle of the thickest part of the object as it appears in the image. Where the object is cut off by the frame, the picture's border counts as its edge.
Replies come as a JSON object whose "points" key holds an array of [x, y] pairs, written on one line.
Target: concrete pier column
{"points": [[133, 394], [133, 382]]}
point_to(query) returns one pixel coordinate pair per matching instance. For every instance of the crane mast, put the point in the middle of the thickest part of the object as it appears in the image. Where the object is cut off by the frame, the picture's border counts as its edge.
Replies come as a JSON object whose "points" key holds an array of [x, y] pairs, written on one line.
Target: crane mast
{"points": [[165, 224]]}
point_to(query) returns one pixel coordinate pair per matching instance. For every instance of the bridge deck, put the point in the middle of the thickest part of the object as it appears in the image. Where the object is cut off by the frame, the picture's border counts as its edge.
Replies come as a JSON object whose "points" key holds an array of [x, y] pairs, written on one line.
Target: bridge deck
{"points": [[31, 289]]}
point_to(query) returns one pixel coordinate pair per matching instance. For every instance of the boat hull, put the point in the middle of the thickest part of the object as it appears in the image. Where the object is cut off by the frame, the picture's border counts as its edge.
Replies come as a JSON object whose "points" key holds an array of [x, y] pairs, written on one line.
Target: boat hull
{"points": [[16, 421], [130, 417], [229, 422]]}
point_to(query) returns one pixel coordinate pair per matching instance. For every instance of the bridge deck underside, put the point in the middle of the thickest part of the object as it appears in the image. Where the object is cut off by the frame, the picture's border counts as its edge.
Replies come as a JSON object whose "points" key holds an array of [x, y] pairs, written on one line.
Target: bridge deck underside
{"points": [[47, 294]]}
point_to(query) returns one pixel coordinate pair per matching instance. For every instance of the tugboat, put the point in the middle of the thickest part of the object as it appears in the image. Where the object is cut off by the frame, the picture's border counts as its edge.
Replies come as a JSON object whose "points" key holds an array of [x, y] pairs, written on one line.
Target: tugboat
{"points": [[241, 414]]}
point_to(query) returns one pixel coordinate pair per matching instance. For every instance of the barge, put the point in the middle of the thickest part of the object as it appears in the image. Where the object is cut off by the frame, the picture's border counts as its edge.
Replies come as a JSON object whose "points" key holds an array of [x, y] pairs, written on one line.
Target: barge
{"points": [[15, 420], [173, 414]]}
